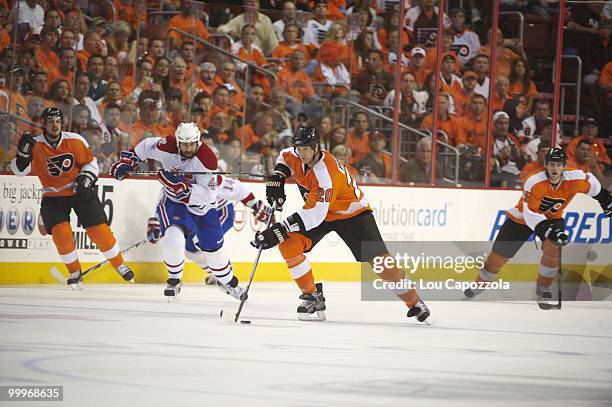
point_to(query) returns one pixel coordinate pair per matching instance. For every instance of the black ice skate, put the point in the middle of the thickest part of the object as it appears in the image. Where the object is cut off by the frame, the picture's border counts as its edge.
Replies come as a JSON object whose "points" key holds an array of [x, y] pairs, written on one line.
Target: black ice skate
{"points": [[173, 288], [313, 306], [233, 289], [420, 311], [74, 280], [126, 273], [544, 298], [472, 292]]}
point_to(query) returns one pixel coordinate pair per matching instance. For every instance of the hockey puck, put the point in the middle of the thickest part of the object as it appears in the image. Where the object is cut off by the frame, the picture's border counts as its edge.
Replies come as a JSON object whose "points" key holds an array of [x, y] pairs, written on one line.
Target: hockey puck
{"points": [[221, 313], [245, 321]]}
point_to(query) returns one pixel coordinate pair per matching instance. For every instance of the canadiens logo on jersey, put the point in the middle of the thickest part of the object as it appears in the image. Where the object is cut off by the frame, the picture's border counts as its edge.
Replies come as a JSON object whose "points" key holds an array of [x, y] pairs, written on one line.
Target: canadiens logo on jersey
{"points": [[60, 164], [551, 204]]}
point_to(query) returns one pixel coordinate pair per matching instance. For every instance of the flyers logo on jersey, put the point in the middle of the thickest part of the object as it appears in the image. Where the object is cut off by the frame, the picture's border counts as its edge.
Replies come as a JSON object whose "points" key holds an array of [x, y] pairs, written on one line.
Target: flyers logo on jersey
{"points": [[60, 164], [551, 204]]}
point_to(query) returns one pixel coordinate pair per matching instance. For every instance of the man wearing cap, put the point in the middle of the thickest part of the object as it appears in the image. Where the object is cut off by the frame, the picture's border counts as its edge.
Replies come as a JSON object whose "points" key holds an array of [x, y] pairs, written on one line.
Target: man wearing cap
{"points": [[506, 151], [417, 66], [450, 82], [264, 31], [463, 96], [590, 130], [148, 125]]}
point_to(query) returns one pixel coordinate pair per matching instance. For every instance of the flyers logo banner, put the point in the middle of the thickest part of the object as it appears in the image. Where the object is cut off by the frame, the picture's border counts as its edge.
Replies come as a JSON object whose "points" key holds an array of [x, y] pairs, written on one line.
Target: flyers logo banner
{"points": [[60, 164], [551, 204]]}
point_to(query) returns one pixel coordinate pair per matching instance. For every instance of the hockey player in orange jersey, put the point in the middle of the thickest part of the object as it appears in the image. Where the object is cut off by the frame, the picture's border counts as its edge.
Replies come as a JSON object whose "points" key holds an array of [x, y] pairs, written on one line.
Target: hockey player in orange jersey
{"points": [[333, 202], [540, 209], [68, 173]]}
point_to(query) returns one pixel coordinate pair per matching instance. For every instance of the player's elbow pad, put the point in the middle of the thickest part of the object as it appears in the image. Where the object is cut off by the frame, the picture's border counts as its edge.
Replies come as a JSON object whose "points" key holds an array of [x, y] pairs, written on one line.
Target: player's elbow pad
{"points": [[603, 197], [294, 223], [21, 163], [282, 170]]}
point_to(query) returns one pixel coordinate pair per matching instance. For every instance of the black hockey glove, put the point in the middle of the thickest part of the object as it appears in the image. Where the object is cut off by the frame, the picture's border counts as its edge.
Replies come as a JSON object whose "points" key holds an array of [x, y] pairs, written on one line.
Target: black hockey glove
{"points": [[270, 237], [548, 230], [84, 183], [275, 191], [605, 200], [25, 146]]}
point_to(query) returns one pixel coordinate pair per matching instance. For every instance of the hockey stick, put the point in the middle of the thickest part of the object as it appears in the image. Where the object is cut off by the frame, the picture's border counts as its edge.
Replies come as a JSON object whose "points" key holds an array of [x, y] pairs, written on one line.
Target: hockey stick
{"points": [[546, 306], [237, 174], [59, 277], [97, 266], [246, 291]]}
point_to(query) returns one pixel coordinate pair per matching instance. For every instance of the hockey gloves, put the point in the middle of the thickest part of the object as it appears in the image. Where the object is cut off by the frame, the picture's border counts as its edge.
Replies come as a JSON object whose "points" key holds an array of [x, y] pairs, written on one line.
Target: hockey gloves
{"points": [[127, 162], [84, 183], [605, 200], [24, 151], [153, 230], [261, 212], [275, 190], [176, 185], [270, 237], [548, 230]]}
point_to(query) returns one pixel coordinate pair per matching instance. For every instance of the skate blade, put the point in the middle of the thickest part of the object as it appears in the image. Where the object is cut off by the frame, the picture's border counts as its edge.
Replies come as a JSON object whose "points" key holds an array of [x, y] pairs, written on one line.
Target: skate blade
{"points": [[171, 299], [315, 316], [76, 287]]}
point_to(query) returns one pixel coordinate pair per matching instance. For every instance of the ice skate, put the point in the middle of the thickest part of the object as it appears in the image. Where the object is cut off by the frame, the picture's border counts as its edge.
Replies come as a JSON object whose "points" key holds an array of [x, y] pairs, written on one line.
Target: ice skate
{"points": [[126, 273], [472, 292], [233, 289], [312, 307], [173, 289], [75, 280], [543, 296], [210, 280], [420, 311]]}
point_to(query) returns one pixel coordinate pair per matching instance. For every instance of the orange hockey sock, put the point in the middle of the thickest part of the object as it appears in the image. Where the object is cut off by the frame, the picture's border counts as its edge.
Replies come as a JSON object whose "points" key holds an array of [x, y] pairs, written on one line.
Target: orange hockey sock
{"points": [[103, 237], [64, 242]]}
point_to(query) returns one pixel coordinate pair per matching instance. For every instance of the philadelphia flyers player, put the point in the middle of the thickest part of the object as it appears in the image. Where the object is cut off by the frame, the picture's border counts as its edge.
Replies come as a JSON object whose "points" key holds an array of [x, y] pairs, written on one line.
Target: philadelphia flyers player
{"points": [[228, 191], [68, 173], [540, 209], [333, 202], [187, 209]]}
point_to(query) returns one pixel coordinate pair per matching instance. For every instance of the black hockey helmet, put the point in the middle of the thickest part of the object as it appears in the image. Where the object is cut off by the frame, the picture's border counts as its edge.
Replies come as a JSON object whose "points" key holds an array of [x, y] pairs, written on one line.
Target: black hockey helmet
{"points": [[51, 112], [305, 136], [556, 155]]}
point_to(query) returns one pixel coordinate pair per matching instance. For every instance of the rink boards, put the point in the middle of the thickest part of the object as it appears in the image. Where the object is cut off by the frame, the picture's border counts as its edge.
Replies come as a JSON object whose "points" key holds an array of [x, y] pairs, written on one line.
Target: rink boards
{"points": [[403, 214]]}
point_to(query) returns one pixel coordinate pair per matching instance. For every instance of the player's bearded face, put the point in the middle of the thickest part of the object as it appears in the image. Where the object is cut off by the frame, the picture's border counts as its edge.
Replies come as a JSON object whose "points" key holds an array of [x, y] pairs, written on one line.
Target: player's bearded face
{"points": [[53, 126], [307, 154], [188, 150], [554, 170]]}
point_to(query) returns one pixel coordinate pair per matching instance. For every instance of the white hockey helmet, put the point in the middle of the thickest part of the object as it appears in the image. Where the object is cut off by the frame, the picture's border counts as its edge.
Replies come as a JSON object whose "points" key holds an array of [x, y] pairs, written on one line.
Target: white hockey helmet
{"points": [[187, 133]]}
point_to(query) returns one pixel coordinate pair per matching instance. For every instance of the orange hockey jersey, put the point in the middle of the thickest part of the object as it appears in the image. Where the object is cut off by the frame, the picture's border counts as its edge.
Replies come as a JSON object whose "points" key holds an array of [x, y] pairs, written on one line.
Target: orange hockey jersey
{"points": [[58, 167], [540, 201], [329, 191]]}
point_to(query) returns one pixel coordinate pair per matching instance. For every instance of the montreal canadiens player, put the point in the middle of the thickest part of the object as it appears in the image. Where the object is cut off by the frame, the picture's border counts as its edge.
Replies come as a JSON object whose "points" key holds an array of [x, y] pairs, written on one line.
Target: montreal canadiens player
{"points": [[187, 209], [228, 191]]}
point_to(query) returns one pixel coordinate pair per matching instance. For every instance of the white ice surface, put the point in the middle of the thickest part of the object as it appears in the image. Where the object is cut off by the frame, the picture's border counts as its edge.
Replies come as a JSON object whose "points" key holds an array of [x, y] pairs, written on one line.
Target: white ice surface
{"points": [[124, 345]]}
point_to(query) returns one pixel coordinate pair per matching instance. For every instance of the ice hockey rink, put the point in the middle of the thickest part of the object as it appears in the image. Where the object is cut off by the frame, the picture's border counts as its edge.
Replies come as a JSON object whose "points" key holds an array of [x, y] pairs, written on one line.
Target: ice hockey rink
{"points": [[124, 345]]}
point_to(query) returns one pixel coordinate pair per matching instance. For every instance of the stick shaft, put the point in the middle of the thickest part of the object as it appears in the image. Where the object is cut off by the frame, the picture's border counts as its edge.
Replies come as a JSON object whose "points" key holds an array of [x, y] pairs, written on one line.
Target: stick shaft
{"points": [[247, 174], [97, 266]]}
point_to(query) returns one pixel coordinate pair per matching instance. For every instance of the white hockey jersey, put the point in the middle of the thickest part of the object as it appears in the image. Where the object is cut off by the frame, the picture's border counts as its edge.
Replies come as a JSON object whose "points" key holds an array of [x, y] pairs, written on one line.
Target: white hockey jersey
{"points": [[230, 190], [314, 33], [466, 45], [165, 150]]}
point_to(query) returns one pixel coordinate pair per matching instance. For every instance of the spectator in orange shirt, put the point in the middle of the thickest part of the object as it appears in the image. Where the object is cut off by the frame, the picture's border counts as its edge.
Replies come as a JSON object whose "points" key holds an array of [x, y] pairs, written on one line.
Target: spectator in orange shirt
{"points": [[290, 43], [178, 78], [66, 68], [228, 75], [376, 165], [500, 94], [92, 44], [206, 79], [432, 56], [295, 81], [521, 84], [475, 123], [463, 96], [223, 99], [254, 103], [590, 130], [18, 104], [144, 78], [45, 54], [449, 124], [450, 83], [358, 136], [40, 86], [247, 50], [392, 22], [504, 53], [148, 125], [259, 136], [537, 165], [186, 21], [584, 159], [188, 52]]}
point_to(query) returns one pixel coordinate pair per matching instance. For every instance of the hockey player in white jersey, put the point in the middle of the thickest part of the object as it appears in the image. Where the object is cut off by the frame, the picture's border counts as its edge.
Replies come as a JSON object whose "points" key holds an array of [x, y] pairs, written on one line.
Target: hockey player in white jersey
{"points": [[228, 191], [187, 209]]}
